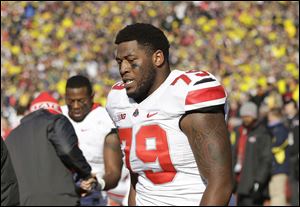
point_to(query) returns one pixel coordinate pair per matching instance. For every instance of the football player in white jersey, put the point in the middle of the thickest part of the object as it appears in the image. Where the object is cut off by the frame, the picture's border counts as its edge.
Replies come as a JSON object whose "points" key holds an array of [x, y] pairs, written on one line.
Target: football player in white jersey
{"points": [[171, 125], [97, 137]]}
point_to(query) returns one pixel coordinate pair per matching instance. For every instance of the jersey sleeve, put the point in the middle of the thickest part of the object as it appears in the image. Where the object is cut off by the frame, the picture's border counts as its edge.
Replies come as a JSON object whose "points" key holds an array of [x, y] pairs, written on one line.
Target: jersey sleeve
{"points": [[108, 106], [64, 110], [113, 99], [204, 92], [108, 119]]}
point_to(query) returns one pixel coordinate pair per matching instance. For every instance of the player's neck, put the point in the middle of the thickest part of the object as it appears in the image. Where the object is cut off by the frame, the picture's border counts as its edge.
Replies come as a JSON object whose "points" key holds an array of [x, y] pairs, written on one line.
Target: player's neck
{"points": [[161, 76]]}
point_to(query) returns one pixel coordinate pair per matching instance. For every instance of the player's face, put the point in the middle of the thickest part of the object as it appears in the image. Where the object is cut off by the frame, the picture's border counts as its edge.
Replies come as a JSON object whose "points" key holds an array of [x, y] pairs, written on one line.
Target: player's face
{"points": [[79, 103], [136, 69], [289, 109], [248, 121]]}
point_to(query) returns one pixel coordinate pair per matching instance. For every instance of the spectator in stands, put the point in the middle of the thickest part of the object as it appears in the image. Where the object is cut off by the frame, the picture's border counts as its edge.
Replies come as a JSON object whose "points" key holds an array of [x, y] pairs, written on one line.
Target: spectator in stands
{"points": [[280, 163], [252, 158], [292, 113], [5, 128]]}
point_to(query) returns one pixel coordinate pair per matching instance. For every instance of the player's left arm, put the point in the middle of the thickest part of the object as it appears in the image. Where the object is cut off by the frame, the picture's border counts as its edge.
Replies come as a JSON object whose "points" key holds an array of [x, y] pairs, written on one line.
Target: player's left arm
{"points": [[132, 191], [207, 135], [112, 160]]}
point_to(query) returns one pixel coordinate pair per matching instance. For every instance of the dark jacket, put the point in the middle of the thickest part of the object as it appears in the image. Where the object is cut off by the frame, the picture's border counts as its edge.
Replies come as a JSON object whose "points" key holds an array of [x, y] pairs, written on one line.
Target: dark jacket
{"points": [[257, 161], [9, 183], [280, 161], [293, 125], [44, 150]]}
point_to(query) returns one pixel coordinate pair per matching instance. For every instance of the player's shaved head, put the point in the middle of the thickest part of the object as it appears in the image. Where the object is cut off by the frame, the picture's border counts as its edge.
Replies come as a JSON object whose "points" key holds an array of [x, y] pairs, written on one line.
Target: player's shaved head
{"points": [[146, 35], [79, 81]]}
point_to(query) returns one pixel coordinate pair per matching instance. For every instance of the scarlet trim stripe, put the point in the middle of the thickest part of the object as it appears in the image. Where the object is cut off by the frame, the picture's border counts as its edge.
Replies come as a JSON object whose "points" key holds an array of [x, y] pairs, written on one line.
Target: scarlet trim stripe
{"points": [[118, 86], [205, 94], [116, 195], [183, 77]]}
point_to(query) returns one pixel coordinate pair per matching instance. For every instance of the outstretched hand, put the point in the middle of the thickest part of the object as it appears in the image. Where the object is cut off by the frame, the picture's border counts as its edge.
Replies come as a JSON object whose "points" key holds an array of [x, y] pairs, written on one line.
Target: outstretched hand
{"points": [[88, 184]]}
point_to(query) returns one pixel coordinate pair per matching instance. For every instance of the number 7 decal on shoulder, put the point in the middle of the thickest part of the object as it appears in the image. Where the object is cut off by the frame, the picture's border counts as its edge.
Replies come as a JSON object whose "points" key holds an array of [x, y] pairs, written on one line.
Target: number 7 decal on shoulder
{"points": [[186, 79]]}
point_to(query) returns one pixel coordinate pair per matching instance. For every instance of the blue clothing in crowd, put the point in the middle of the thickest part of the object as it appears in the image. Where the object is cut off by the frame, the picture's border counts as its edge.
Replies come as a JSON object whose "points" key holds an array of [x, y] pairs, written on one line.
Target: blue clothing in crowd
{"points": [[280, 163]]}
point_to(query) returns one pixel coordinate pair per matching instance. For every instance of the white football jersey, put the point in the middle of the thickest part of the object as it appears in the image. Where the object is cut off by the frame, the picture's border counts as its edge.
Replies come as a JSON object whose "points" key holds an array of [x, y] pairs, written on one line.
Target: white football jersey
{"points": [[154, 146], [91, 133]]}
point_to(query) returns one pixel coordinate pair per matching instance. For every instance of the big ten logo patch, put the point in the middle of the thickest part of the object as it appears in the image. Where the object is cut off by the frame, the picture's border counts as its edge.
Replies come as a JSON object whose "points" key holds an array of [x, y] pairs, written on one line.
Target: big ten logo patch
{"points": [[119, 117]]}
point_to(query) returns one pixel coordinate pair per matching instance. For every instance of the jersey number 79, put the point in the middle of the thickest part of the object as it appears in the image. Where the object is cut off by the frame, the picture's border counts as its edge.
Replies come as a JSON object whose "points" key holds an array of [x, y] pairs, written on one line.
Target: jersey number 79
{"points": [[160, 153]]}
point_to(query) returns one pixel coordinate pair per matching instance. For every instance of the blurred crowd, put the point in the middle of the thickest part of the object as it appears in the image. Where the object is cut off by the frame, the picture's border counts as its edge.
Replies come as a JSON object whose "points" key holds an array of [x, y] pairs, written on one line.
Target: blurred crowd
{"points": [[252, 47]]}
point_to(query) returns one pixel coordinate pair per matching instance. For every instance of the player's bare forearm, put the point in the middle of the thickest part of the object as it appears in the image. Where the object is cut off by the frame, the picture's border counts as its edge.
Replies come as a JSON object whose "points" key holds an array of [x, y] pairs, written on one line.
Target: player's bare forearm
{"points": [[132, 192], [207, 134], [112, 161], [131, 197]]}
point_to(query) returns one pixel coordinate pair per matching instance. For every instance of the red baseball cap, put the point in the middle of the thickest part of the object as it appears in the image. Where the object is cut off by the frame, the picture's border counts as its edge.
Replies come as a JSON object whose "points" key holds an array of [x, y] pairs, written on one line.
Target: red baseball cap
{"points": [[45, 101]]}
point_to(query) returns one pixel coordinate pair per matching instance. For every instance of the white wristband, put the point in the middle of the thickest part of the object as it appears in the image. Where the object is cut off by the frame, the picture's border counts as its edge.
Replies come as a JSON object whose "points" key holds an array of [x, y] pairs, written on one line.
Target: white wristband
{"points": [[101, 181]]}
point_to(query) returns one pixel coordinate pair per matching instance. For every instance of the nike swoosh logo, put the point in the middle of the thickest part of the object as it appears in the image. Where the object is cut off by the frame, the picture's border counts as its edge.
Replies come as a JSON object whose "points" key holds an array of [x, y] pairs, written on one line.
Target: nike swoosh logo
{"points": [[150, 115]]}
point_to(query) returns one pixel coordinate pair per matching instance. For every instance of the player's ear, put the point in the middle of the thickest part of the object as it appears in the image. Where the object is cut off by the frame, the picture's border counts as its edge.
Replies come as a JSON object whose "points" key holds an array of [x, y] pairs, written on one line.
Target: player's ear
{"points": [[158, 58]]}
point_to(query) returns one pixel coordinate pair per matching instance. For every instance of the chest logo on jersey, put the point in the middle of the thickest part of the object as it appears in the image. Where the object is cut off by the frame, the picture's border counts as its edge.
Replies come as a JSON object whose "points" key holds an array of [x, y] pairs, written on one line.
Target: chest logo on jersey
{"points": [[151, 114], [119, 117], [136, 113]]}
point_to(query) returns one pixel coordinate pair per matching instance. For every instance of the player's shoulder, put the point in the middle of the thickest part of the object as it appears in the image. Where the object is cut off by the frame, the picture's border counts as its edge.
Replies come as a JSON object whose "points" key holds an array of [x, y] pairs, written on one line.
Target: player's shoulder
{"points": [[199, 89], [116, 94], [64, 109], [98, 110], [117, 89], [193, 79], [194, 76]]}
